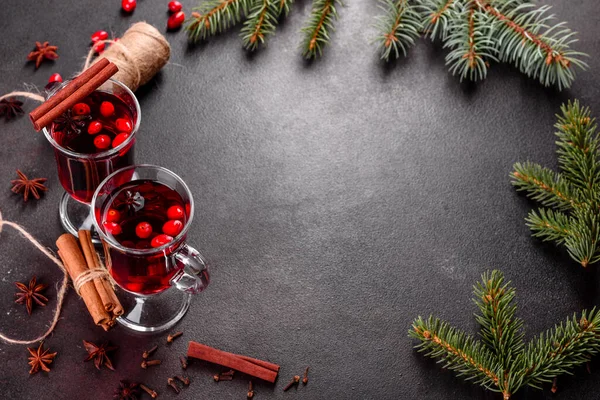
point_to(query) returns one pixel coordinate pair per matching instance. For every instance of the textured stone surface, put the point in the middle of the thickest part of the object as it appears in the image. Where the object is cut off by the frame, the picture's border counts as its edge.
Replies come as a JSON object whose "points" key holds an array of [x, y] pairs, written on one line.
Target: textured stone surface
{"points": [[337, 200]]}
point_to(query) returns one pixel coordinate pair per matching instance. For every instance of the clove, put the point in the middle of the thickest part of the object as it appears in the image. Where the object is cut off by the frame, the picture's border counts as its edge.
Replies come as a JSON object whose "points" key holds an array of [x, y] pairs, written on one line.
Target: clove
{"points": [[148, 353], [221, 377], [150, 363], [305, 378], [173, 336], [293, 382], [250, 390], [183, 379], [184, 362], [151, 392], [171, 382]]}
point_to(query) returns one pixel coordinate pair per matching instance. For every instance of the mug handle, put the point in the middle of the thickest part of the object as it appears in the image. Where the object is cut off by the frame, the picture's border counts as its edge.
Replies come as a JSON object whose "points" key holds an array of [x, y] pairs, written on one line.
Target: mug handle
{"points": [[193, 277]]}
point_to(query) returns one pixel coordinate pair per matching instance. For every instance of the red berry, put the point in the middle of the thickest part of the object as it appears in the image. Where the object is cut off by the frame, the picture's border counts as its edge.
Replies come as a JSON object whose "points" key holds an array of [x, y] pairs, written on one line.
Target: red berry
{"points": [[119, 139], [172, 227], [128, 243], [113, 215], [94, 127], [160, 240], [174, 6], [81, 109], [99, 47], [175, 212], [55, 78], [175, 20], [123, 125], [102, 142], [143, 230], [112, 227], [128, 5], [107, 109], [99, 35]]}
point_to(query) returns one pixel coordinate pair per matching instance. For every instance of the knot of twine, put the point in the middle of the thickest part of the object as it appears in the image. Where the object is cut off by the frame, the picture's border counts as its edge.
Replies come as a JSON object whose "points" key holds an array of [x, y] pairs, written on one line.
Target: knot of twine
{"points": [[61, 292], [90, 275]]}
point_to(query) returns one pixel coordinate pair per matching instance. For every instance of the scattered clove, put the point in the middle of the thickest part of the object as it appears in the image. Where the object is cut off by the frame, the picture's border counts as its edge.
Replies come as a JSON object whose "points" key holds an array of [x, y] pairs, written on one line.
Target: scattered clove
{"points": [[150, 363], [221, 377], [148, 353], [183, 379], [293, 382], [184, 362], [305, 378], [554, 388], [250, 390], [171, 382], [173, 336], [151, 392]]}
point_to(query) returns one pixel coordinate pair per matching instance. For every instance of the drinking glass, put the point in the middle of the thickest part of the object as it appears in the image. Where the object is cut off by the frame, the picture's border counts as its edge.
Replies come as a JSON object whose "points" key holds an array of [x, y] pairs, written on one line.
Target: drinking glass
{"points": [[81, 173], [158, 282]]}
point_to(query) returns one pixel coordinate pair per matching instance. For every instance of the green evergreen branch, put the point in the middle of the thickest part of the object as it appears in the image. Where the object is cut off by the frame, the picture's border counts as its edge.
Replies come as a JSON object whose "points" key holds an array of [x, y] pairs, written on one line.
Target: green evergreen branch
{"points": [[262, 21], [215, 16], [500, 361], [437, 15], [573, 195], [320, 23], [398, 27]]}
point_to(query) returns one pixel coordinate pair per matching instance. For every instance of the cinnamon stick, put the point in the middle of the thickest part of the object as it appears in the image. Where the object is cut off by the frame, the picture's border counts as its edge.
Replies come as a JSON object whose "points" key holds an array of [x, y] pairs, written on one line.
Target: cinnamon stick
{"points": [[230, 360], [75, 264], [264, 364], [86, 86]]}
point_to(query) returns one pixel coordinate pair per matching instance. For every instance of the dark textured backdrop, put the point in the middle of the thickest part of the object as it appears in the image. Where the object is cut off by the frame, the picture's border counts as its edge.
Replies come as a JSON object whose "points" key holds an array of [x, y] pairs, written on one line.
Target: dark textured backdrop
{"points": [[337, 200]]}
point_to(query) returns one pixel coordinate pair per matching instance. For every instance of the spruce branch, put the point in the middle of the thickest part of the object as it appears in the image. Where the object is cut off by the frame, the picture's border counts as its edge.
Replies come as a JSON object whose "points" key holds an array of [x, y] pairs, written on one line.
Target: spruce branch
{"points": [[572, 197], [215, 16], [262, 21], [437, 15], [398, 27], [320, 23], [501, 361]]}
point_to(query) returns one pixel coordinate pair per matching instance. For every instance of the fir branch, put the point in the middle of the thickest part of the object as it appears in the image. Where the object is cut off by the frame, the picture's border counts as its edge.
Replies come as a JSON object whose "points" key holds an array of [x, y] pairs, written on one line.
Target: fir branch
{"points": [[262, 20], [215, 16], [398, 27], [283, 7], [583, 243], [316, 31], [437, 15], [547, 224], [501, 362]]}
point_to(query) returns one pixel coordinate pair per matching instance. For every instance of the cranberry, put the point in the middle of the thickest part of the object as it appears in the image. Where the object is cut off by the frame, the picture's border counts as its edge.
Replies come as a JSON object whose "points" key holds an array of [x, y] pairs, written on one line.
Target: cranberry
{"points": [[175, 20], [128, 5], [81, 109], [143, 230], [112, 227], [55, 78], [128, 243], [175, 212], [123, 125], [174, 6], [99, 35], [99, 47], [160, 240], [142, 245], [119, 139], [102, 142], [113, 215], [107, 109], [172, 227], [94, 127]]}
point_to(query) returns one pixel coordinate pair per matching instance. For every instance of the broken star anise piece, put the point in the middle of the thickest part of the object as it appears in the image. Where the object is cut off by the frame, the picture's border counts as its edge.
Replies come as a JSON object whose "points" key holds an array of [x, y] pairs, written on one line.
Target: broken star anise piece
{"points": [[40, 359], [31, 293], [26, 185], [127, 391], [10, 108], [70, 124], [98, 354], [42, 52]]}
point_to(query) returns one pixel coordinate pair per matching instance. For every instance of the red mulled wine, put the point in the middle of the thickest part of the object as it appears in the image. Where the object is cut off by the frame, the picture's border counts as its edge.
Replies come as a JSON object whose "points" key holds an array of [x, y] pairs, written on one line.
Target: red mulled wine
{"points": [[141, 215], [91, 128]]}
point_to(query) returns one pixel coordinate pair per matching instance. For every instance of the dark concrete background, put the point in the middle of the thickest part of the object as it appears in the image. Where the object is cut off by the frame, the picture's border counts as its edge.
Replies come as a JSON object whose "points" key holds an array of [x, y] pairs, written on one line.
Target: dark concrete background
{"points": [[337, 200]]}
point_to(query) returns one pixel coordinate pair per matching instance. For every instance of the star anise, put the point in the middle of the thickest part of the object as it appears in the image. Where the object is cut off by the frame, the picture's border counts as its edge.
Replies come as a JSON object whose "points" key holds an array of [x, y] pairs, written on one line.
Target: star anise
{"points": [[40, 358], [98, 354], [70, 124], [127, 391], [134, 201], [31, 293], [25, 185], [42, 52], [10, 108]]}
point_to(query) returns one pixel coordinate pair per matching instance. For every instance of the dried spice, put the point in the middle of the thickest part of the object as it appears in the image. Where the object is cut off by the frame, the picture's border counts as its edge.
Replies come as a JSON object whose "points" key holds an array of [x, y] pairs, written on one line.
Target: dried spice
{"points": [[29, 294], [10, 108], [127, 391], [40, 359], [42, 52], [134, 202], [70, 124], [98, 354], [25, 185]]}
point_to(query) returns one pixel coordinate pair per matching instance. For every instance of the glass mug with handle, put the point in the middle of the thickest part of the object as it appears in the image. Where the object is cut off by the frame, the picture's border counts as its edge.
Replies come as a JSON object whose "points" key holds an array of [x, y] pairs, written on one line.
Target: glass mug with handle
{"points": [[142, 214]]}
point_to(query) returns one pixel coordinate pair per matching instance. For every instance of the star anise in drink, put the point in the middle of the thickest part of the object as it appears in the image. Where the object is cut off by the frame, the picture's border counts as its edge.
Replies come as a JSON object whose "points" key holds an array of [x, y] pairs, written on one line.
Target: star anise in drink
{"points": [[127, 391], [26, 185], [40, 359], [98, 354], [42, 51], [70, 124], [29, 294], [134, 201], [10, 108]]}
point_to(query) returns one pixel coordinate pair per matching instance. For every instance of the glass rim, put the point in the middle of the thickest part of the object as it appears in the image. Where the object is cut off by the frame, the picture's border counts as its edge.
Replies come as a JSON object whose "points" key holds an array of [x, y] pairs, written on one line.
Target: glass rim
{"points": [[142, 252], [106, 153]]}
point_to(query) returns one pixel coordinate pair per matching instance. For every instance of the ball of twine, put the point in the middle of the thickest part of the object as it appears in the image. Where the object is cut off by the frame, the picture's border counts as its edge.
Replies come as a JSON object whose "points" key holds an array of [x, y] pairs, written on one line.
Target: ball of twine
{"points": [[140, 53]]}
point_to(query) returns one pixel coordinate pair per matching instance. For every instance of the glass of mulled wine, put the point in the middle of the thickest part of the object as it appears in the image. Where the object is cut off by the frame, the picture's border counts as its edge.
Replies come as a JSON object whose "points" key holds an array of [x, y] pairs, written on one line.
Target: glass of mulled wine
{"points": [[142, 214], [92, 140]]}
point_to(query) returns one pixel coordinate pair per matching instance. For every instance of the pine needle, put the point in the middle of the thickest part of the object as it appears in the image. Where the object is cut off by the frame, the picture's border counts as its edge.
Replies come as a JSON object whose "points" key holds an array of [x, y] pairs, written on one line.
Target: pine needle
{"points": [[317, 30]]}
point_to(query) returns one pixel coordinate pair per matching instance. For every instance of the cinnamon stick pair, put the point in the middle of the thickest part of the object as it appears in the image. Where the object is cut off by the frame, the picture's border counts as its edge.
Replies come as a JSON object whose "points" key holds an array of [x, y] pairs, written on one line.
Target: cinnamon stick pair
{"points": [[97, 294]]}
